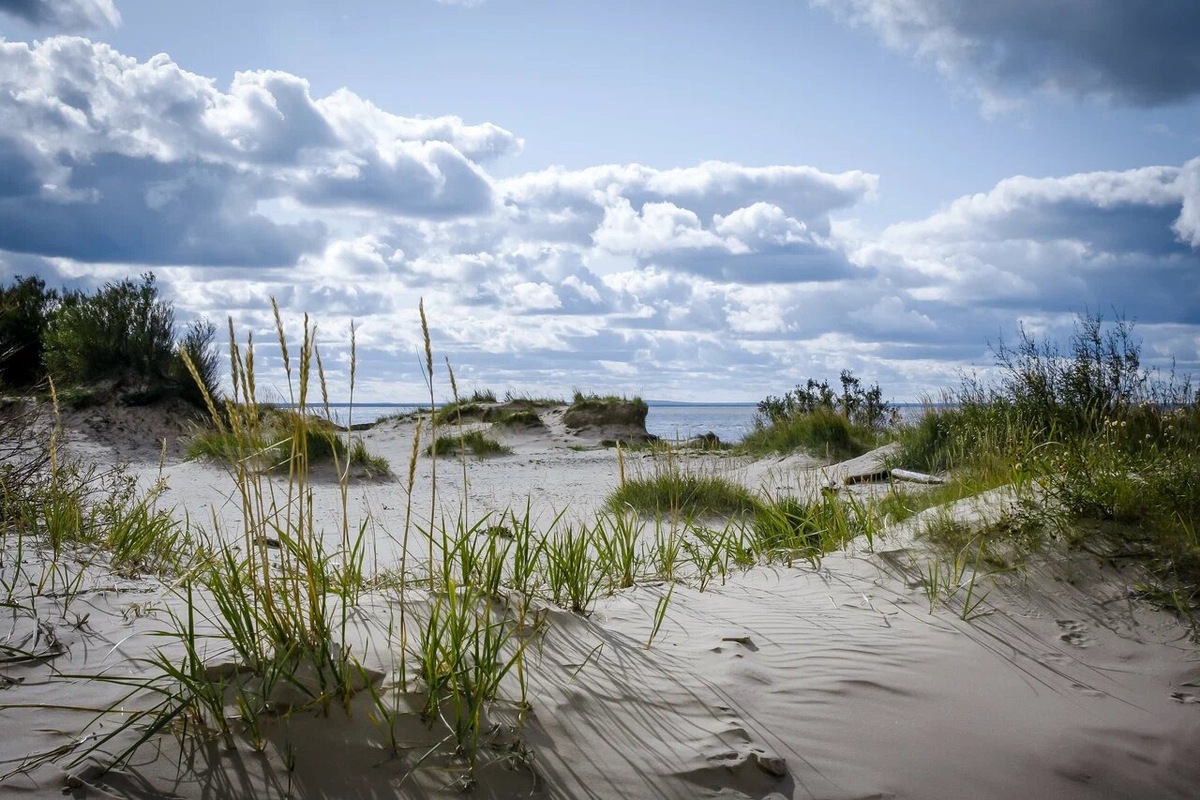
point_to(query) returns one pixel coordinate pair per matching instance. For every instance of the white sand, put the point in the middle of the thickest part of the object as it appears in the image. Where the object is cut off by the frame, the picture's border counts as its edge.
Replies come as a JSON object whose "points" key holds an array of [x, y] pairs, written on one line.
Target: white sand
{"points": [[783, 682]]}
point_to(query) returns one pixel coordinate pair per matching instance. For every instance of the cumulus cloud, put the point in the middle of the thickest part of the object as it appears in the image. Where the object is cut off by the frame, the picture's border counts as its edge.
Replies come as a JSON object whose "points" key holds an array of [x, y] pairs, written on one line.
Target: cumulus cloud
{"points": [[710, 188], [1096, 241], [1137, 54], [1188, 183], [717, 219], [69, 15], [108, 158]]}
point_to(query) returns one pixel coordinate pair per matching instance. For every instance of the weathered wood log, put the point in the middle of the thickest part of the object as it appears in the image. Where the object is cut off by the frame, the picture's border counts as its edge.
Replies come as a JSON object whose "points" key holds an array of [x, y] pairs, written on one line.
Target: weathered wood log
{"points": [[874, 476], [915, 477], [880, 475]]}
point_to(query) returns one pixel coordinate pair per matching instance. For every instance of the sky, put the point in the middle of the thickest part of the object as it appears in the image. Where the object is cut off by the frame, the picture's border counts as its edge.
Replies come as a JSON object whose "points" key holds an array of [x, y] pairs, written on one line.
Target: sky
{"points": [[694, 200]]}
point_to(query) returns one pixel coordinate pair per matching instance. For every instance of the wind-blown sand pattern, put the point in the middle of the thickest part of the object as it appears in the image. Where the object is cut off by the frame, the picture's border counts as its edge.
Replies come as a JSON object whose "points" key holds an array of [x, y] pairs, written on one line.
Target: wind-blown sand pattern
{"points": [[794, 682]]}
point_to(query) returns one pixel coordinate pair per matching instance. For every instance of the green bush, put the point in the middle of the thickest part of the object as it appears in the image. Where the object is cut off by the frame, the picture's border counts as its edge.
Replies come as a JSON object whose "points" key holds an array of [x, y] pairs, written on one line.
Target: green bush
{"points": [[124, 331], [198, 344], [862, 407], [125, 334], [815, 418]]}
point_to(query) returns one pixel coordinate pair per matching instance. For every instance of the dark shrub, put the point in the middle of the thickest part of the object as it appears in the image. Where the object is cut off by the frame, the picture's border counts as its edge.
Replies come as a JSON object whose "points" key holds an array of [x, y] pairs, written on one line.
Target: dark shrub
{"points": [[25, 307], [198, 343]]}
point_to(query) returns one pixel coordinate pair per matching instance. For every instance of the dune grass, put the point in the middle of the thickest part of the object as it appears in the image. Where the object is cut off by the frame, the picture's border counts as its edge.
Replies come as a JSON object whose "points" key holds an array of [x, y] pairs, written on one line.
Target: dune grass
{"points": [[599, 410], [683, 494], [475, 443], [821, 432]]}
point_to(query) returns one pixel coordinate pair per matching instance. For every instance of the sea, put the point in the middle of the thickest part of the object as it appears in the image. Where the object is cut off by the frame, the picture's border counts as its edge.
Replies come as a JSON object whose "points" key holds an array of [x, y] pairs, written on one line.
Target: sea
{"points": [[671, 421]]}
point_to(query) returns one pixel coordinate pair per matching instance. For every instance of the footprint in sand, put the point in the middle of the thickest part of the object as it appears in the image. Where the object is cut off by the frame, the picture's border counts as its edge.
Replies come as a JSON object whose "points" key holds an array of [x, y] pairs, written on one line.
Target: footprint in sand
{"points": [[1074, 633]]}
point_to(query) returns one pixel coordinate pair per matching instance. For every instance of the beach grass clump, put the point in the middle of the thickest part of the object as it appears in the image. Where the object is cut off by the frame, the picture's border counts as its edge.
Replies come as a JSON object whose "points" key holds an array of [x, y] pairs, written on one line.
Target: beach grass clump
{"points": [[785, 528], [519, 418], [682, 492], [821, 432], [531, 400], [457, 412], [476, 443], [821, 421]]}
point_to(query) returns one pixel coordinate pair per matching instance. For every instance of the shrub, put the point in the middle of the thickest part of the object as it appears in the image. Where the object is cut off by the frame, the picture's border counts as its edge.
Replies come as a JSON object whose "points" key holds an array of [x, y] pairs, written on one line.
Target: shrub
{"points": [[124, 331], [863, 407], [1099, 376], [815, 418], [25, 307], [198, 345]]}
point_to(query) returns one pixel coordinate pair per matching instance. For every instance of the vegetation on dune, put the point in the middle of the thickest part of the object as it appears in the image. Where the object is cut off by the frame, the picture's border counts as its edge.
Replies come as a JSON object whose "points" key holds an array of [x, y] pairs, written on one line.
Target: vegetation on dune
{"points": [[683, 493], [283, 438], [820, 421], [532, 401], [591, 410], [25, 309], [1100, 445]]}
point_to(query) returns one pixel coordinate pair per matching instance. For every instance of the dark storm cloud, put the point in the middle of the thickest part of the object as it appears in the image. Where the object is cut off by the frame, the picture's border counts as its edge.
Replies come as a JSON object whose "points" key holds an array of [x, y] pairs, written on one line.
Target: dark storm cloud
{"points": [[1143, 53], [70, 15], [141, 211]]}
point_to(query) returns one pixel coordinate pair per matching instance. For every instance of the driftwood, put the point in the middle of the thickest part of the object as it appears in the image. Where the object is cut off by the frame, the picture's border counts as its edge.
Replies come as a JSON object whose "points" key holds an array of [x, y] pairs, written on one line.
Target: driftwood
{"points": [[876, 476], [880, 475], [915, 477]]}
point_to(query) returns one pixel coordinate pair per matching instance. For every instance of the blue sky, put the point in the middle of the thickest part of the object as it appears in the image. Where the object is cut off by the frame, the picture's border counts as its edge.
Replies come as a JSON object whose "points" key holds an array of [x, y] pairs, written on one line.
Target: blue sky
{"points": [[685, 200]]}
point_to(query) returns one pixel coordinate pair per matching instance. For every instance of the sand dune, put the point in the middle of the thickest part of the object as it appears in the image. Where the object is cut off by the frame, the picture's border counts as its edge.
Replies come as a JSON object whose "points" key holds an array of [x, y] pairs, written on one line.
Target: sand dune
{"points": [[794, 682]]}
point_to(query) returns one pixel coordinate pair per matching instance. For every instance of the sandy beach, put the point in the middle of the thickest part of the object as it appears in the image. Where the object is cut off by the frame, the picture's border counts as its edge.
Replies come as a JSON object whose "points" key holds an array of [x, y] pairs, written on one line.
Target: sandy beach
{"points": [[839, 680]]}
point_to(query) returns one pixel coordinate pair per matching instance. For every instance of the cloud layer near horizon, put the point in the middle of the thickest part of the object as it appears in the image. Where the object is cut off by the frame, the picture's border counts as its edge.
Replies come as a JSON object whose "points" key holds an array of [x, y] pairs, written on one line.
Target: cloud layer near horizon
{"points": [[619, 277]]}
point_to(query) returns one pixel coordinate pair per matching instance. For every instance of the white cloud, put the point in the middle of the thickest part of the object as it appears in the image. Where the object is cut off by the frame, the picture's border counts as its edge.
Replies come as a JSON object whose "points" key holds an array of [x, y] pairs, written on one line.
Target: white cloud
{"points": [[1086, 241], [1188, 185], [180, 169], [655, 228]]}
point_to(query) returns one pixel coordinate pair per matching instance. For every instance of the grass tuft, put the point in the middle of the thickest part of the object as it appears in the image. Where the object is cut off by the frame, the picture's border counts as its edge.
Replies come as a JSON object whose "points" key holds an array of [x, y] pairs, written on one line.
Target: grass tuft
{"points": [[474, 443]]}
